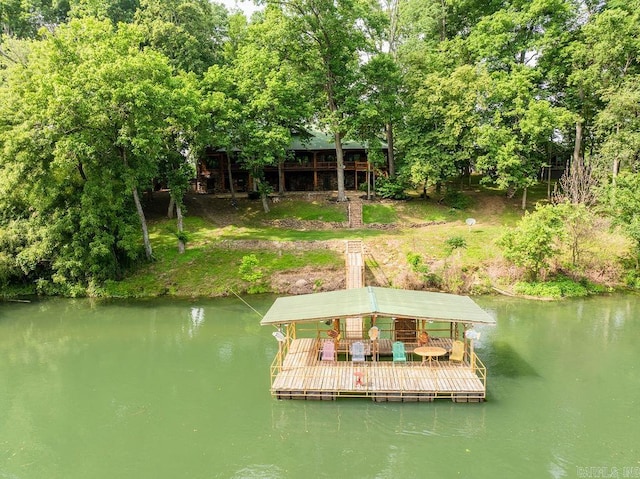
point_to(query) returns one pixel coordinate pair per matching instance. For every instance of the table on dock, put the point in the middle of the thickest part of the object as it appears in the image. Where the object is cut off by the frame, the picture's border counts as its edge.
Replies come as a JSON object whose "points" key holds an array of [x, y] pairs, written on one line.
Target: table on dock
{"points": [[429, 352]]}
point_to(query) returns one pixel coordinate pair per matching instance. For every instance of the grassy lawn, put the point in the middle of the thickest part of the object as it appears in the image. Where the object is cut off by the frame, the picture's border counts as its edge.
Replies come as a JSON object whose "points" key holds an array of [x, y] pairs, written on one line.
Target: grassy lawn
{"points": [[317, 210], [379, 213], [270, 233], [210, 268], [424, 227]]}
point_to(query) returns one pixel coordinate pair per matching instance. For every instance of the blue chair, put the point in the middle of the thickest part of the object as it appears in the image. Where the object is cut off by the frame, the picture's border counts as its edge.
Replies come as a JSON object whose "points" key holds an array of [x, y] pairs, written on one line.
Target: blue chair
{"points": [[399, 355], [357, 352]]}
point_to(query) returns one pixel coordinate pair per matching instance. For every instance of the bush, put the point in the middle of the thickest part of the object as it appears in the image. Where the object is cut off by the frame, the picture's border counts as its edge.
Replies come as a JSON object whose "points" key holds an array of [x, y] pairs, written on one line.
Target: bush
{"points": [[391, 188], [418, 266], [456, 200], [454, 243], [249, 269], [632, 279], [534, 240], [561, 287], [182, 236], [415, 261]]}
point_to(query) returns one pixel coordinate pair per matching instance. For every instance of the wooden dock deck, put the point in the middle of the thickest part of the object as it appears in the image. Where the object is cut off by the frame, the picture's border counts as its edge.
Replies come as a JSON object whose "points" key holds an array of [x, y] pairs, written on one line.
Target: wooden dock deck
{"points": [[304, 376]]}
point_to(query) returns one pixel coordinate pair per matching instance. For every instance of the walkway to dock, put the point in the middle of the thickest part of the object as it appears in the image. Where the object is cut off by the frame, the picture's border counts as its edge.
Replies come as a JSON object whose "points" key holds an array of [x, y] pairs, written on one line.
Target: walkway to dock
{"points": [[355, 212], [354, 259], [304, 376]]}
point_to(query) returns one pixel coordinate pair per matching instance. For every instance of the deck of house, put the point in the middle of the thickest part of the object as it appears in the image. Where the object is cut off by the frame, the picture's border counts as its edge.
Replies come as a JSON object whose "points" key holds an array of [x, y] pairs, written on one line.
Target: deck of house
{"points": [[300, 374]]}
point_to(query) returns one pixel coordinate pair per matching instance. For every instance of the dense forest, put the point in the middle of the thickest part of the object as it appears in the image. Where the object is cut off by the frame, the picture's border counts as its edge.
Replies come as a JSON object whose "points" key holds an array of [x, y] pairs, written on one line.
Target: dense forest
{"points": [[100, 99]]}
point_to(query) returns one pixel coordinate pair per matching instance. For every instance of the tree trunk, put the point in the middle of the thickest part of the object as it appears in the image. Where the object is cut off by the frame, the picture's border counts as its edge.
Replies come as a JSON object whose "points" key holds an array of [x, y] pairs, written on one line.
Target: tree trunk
{"points": [[263, 195], [368, 180], [231, 189], [443, 26], [281, 188], [265, 202], [81, 170], [390, 155], [172, 205], [616, 160], [143, 222], [524, 198], [373, 182], [180, 228], [340, 167], [616, 167], [577, 147]]}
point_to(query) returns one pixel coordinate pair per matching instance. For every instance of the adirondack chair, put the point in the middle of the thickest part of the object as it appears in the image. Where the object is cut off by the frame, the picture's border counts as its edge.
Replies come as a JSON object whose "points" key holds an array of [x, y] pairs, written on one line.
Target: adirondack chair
{"points": [[328, 351], [457, 352], [357, 352], [399, 355]]}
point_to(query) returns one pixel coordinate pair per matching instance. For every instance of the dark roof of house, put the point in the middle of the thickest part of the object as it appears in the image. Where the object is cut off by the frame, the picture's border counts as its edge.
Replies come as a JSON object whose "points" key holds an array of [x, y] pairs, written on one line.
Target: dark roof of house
{"points": [[316, 141]]}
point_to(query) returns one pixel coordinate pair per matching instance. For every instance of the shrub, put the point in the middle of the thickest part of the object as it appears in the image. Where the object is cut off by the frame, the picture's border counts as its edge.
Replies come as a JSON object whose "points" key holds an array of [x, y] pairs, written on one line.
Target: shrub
{"points": [[418, 266], [416, 263], [249, 270], [391, 188], [561, 287], [454, 243], [182, 236], [632, 279], [456, 200], [533, 241]]}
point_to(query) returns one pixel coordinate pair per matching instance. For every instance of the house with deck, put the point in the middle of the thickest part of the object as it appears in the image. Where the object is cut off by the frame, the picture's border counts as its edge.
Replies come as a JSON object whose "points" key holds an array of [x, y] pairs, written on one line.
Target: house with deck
{"points": [[380, 343], [310, 166]]}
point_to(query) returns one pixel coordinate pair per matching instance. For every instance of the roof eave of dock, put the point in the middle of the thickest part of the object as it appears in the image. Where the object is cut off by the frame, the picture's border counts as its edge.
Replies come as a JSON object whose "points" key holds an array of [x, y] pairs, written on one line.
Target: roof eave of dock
{"points": [[370, 300]]}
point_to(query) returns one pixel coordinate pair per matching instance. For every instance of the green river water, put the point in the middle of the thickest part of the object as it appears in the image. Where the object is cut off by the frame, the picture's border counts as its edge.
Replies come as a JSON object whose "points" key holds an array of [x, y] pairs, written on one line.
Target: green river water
{"points": [[180, 389]]}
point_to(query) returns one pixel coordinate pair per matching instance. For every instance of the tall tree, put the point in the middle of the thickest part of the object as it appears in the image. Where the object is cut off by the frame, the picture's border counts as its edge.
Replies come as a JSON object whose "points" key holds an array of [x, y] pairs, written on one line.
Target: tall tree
{"points": [[380, 104], [517, 127], [191, 33], [622, 201], [333, 36], [440, 135], [117, 11], [23, 18], [91, 114], [271, 97], [618, 125]]}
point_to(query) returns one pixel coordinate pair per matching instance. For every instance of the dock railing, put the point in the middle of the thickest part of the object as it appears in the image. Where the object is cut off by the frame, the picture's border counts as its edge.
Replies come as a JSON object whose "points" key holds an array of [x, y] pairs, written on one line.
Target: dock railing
{"points": [[381, 347], [478, 367]]}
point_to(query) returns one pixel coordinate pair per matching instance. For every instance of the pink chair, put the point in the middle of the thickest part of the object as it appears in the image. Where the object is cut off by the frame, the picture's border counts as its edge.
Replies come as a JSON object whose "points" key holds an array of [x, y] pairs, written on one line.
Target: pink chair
{"points": [[328, 351]]}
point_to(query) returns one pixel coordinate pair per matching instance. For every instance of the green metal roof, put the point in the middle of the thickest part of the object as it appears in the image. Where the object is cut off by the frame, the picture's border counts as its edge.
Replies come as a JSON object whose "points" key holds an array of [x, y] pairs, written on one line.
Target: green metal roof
{"points": [[367, 301], [315, 140]]}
